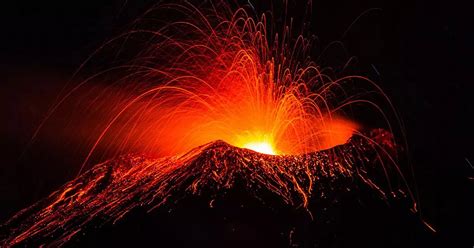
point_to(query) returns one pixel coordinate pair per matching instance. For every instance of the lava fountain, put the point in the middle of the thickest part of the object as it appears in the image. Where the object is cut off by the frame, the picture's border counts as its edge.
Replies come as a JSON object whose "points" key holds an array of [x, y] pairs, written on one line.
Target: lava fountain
{"points": [[207, 73], [213, 75]]}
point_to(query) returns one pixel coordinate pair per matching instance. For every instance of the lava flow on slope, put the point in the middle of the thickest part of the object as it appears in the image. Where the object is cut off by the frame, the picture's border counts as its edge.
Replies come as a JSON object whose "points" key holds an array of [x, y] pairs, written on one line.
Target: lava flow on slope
{"points": [[108, 191]]}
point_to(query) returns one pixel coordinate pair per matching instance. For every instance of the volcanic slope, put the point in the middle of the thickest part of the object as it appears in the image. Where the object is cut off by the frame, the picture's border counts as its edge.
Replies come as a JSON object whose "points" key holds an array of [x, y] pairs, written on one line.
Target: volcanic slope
{"points": [[112, 190]]}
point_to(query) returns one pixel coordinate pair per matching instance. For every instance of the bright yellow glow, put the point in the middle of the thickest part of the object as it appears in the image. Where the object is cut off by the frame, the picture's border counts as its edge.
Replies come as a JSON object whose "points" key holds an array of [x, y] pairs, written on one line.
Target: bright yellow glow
{"points": [[261, 147]]}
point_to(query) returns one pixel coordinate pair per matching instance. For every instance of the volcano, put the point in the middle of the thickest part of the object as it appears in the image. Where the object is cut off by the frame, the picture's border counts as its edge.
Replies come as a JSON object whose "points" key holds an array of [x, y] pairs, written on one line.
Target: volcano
{"points": [[218, 177]]}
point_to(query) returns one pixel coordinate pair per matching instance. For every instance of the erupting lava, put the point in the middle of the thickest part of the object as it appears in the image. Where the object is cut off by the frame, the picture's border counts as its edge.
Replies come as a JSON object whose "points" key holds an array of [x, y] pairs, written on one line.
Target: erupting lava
{"points": [[207, 74], [262, 147], [218, 75]]}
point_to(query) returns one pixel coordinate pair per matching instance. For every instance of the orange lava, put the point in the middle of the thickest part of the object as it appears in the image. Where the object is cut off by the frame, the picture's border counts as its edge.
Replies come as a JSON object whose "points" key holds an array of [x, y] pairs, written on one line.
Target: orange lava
{"points": [[244, 106]]}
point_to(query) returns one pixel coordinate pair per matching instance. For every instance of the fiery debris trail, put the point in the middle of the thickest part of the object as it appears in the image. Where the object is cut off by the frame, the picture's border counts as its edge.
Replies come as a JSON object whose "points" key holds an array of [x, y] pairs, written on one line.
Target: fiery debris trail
{"points": [[110, 190]]}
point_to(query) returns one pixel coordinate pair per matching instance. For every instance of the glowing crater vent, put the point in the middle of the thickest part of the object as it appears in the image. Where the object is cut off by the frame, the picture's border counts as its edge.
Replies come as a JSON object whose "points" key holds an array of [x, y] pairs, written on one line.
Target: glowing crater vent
{"points": [[261, 147]]}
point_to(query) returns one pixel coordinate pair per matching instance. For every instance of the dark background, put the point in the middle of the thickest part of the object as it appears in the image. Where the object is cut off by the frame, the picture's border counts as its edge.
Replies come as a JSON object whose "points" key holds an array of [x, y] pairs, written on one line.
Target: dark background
{"points": [[422, 51]]}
